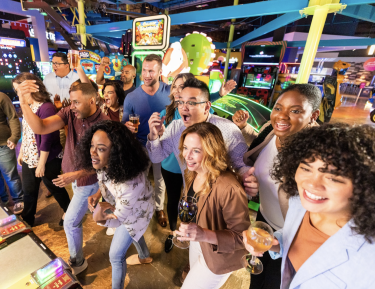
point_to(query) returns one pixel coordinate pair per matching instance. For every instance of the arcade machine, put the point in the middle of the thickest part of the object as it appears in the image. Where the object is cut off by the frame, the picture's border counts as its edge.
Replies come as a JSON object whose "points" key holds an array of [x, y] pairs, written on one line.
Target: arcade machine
{"points": [[30, 264], [15, 57], [150, 36], [260, 71], [44, 68]]}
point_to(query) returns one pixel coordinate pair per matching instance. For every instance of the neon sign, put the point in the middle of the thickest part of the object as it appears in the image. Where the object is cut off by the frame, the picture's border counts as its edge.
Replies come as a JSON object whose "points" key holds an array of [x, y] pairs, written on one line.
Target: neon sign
{"points": [[12, 42]]}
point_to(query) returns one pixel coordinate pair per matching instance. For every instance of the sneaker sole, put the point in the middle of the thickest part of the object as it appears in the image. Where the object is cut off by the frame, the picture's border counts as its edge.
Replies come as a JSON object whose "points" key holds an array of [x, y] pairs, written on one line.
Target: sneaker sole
{"points": [[80, 269]]}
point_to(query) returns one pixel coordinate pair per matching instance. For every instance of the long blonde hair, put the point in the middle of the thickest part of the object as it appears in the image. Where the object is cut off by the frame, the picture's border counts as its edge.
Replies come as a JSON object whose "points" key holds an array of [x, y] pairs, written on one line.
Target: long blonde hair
{"points": [[171, 107], [215, 157]]}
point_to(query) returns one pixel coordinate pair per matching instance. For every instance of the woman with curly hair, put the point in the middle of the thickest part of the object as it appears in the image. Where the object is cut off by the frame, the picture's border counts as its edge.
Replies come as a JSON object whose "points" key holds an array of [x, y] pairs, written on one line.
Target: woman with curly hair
{"points": [[328, 237], [113, 100], [297, 108], [121, 165], [215, 238], [40, 155]]}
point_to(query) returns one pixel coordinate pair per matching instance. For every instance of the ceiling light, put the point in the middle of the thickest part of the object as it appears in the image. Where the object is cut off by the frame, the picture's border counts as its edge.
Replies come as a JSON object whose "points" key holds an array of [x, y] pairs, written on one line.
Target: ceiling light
{"points": [[202, 5], [371, 50]]}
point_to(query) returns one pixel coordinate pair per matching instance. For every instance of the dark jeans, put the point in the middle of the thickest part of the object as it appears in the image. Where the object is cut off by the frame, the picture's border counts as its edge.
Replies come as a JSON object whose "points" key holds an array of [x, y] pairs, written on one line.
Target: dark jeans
{"points": [[173, 183], [8, 171], [31, 184], [270, 278]]}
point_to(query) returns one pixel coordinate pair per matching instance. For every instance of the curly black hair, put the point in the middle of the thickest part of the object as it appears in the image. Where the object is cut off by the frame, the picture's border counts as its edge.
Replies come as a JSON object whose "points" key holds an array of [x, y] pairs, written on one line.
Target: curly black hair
{"points": [[351, 150], [127, 157]]}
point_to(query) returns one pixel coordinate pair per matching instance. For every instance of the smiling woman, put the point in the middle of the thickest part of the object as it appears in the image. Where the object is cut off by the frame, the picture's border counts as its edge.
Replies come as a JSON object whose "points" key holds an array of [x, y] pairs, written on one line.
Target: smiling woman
{"points": [[328, 174], [113, 100]]}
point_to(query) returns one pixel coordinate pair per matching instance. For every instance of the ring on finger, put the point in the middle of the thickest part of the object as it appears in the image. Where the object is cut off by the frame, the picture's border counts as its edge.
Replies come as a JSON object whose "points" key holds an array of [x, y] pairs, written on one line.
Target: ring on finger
{"points": [[187, 235]]}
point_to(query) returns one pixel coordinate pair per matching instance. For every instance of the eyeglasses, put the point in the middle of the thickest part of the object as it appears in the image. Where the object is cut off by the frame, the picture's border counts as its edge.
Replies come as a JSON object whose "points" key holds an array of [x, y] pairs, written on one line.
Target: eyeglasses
{"points": [[58, 64], [189, 104]]}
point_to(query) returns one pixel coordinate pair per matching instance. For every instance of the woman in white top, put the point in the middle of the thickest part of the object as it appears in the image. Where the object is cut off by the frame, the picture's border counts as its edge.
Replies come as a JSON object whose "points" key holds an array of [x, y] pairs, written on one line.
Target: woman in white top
{"points": [[121, 164], [296, 108]]}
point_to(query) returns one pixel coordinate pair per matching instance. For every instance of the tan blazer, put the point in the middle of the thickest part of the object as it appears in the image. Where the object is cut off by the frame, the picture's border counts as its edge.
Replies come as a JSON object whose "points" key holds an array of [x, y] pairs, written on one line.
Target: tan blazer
{"points": [[224, 210]]}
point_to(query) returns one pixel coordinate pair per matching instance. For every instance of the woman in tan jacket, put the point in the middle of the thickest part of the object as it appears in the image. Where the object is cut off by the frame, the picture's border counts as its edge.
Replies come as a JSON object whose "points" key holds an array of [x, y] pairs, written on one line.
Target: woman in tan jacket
{"points": [[216, 245]]}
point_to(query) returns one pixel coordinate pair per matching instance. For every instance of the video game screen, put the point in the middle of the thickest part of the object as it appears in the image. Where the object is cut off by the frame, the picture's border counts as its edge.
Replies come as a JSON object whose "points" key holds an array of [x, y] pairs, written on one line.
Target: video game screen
{"points": [[149, 33], [13, 60], [262, 54], [260, 80]]}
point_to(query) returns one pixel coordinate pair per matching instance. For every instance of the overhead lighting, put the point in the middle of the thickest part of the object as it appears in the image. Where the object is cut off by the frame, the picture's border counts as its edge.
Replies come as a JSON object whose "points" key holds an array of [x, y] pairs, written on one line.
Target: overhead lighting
{"points": [[202, 5], [371, 50]]}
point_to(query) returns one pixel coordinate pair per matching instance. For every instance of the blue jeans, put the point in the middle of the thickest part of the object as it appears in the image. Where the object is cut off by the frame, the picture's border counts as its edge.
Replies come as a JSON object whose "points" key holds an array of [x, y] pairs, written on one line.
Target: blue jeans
{"points": [[8, 169], [120, 243], [73, 220]]}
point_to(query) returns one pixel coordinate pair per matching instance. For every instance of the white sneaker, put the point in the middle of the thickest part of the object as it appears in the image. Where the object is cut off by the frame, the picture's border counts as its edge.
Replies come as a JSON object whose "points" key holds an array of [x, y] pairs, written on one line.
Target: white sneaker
{"points": [[110, 231], [18, 208]]}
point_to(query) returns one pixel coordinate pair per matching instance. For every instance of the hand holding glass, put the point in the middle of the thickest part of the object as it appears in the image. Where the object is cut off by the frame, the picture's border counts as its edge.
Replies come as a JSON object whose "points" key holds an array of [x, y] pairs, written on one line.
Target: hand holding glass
{"points": [[187, 209], [134, 119], [260, 237]]}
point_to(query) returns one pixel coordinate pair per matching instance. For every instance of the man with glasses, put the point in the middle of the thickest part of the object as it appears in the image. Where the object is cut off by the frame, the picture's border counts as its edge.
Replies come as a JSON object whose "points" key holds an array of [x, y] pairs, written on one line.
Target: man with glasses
{"points": [[194, 107], [59, 80]]}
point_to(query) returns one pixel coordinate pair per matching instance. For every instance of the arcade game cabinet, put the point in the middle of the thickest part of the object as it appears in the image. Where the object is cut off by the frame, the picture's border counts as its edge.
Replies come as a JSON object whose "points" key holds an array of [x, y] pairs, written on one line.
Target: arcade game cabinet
{"points": [[150, 36], [260, 71]]}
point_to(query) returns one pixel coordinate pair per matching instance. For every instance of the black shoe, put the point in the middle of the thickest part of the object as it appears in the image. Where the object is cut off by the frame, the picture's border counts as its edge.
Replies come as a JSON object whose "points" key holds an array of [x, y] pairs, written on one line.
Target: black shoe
{"points": [[61, 223], [168, 244]]}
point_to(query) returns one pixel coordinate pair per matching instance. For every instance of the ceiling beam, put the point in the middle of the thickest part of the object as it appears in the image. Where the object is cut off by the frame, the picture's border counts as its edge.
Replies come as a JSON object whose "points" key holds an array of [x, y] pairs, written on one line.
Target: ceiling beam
{"points": [[363, 12], [269, 27], [124, 12], [108, 40], [216, 14], [336, 42], [356, 2]]}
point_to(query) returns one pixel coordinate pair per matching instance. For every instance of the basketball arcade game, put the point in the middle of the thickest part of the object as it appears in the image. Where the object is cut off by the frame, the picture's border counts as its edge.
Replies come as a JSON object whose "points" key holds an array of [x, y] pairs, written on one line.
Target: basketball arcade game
{"points": [[150, 36]]}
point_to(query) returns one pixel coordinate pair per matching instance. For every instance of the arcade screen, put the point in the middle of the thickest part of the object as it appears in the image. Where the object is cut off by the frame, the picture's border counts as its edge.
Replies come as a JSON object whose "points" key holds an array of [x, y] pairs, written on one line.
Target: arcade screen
{"points": [[260, 80], [262, 54], [44, 68], [149, 33], [13, 60]]}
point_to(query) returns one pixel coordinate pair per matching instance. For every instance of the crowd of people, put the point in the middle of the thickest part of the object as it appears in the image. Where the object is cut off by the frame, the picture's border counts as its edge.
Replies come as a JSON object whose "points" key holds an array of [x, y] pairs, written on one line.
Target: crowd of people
{"points": [[316, 184]]}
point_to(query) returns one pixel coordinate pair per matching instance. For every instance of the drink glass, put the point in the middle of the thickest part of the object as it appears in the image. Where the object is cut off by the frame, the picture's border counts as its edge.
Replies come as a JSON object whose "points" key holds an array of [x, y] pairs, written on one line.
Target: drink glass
{"points": [[260, 237], [187, 209], [74, 58], [134, 119]]}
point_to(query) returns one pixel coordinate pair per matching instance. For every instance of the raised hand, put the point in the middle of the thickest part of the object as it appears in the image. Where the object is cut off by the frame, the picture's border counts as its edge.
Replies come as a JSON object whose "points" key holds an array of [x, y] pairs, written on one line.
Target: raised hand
{"points": [[240, 118], [155, 124], [25, 89], [227, 87]]}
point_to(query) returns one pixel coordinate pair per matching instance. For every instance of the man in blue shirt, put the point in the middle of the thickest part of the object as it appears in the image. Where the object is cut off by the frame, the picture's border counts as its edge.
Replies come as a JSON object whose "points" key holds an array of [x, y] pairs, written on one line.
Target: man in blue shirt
{"points": [[152, 96]]}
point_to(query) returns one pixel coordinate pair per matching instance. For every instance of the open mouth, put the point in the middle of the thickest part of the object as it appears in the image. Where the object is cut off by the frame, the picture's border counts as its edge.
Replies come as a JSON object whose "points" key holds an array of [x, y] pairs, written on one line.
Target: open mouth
{"points": [[282, 126], [107, 101], [95, 161], [313, 198], [185, 118], [190, 164]]}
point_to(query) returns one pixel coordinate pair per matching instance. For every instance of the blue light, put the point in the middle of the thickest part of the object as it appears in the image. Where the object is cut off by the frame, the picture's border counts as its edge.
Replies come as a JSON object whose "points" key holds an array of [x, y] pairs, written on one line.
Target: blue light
{"points": [[5, 55], [10, 66], [14, 55]]}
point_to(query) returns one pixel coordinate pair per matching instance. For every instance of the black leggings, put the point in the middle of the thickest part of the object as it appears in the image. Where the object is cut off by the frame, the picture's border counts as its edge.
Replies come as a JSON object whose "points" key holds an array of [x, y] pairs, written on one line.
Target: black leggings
{"points": [[173, 183], [30, 186], [270, 278]]}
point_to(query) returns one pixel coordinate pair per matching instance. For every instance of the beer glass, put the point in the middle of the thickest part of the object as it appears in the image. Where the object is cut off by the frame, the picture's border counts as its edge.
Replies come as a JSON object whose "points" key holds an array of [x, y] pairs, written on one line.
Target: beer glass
{"points": [[260, 237], [74, 58], [134, 119], [187, 209]]}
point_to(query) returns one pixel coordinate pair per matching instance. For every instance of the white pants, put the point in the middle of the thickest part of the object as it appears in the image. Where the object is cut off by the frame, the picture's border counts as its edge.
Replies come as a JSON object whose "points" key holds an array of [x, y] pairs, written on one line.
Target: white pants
{"points": [[199, 276], [159, 186]]}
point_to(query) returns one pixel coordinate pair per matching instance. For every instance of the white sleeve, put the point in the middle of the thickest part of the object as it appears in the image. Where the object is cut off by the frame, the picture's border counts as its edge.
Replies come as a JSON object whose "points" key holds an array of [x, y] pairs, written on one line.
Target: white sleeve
{"points": [[127, 195], [162, 147]]}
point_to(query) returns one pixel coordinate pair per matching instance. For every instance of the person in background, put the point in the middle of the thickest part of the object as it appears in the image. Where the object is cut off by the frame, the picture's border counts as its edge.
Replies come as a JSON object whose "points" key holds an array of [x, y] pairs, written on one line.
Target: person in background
{"points": [[297, 108], [80, 116], [146, 99], [170, 168], [121, 165], [327, 241], [215, 237], [10, 133], [40, 155], [128, 75], [113, 100], [58, 82]]}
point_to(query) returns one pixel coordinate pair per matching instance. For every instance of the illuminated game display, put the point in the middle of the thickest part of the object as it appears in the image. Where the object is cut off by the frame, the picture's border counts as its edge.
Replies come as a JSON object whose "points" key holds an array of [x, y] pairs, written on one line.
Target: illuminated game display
{"points": [[15, 57], [151, 32], [44, 68]]}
